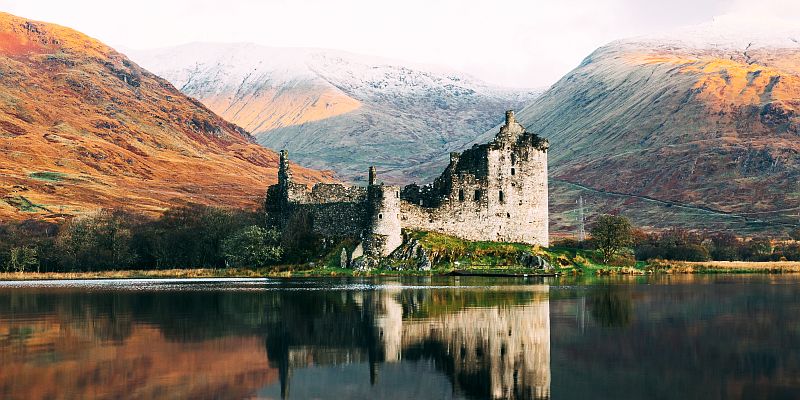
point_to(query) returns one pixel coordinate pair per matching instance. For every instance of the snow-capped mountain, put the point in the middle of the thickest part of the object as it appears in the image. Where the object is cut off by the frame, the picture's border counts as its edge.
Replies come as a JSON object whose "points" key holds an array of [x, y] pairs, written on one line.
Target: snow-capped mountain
{"points": [[337, 110]]}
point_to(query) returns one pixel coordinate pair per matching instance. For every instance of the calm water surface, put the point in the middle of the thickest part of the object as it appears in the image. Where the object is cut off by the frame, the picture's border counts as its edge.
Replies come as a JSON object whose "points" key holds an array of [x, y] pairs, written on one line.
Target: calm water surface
{"points": [[720, 337]]}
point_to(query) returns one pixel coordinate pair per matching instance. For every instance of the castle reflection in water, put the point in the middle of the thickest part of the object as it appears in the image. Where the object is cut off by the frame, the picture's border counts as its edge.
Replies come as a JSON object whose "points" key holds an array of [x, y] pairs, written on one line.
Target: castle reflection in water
{"points": [[276, 339], [489, 343]]}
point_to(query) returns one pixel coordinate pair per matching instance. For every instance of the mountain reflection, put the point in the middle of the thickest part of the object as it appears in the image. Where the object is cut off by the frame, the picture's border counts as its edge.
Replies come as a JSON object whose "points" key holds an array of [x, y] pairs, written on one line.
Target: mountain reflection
{"points": [[276, 341]]}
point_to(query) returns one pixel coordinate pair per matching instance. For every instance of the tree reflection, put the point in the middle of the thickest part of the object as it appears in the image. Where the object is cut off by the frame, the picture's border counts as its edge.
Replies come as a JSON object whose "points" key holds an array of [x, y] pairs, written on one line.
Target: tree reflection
{"points": [[611, 305]]}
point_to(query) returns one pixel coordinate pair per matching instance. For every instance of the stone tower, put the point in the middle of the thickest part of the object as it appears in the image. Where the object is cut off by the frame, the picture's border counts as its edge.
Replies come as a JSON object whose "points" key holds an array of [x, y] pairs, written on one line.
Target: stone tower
{"points": [[383, 234], [373, 175], [517, 181], [284, 173], [491, 192], [517, 184]]}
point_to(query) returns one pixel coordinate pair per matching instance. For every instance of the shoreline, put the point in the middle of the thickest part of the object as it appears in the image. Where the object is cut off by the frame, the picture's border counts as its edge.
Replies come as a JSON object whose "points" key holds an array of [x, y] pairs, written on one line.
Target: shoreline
{"points": [[655, 268]]}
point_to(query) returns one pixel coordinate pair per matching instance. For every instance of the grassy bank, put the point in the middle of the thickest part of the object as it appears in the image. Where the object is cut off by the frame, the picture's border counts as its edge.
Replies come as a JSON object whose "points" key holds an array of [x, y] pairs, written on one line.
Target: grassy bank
{"points": [[447, 254], [711, 267], [672, 267], [134, 274]]}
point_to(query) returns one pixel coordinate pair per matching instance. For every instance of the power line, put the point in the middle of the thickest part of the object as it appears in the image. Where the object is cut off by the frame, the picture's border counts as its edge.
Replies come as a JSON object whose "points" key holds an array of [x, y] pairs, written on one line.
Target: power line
{"points": [[581, 220]]}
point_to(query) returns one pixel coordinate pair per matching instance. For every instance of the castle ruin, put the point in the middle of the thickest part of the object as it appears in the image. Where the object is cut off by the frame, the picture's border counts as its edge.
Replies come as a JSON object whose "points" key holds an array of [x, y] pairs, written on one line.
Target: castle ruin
{"points": [[492, 192]]}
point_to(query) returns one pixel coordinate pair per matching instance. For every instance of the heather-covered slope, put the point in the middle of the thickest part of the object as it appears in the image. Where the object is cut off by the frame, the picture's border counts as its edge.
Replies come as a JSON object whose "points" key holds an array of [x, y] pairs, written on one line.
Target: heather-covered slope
{"points": [[707, 118], [336, 110], [83, 127]]}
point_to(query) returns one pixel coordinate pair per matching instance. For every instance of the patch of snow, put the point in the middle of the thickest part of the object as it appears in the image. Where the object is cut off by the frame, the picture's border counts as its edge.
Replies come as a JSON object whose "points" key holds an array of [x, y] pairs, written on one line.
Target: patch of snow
{"points": [[728, 32], [207, 68]]}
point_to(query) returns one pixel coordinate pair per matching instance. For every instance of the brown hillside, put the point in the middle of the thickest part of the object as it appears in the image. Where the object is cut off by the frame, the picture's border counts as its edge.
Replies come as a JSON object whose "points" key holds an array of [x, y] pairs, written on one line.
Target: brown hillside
{"points": [[83, 127], [711, 129]]}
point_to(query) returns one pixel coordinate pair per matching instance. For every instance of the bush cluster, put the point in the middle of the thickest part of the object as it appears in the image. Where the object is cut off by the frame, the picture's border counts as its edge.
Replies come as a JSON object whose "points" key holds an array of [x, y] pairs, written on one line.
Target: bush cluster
{"points": [[192, 236], [682, 245]]}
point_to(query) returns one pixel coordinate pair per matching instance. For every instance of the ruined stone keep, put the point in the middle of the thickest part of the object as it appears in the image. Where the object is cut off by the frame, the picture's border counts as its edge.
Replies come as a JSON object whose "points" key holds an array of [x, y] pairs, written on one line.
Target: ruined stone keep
{"points": [[492, 192]]}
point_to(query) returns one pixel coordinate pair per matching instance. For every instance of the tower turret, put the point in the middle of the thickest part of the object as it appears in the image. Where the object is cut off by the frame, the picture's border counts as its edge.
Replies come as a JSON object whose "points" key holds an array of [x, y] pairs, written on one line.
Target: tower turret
{"points": [[454, 156], [383, 234], [284, 173], [510, 119], [511, 130], [372, 175]]}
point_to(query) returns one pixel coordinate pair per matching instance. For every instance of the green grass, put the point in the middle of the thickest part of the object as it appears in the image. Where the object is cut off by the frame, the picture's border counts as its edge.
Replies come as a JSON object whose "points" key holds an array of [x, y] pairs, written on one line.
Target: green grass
{"points": [[492, 257], [333, 258], [22, 204], [448, 250], [48, 176]]}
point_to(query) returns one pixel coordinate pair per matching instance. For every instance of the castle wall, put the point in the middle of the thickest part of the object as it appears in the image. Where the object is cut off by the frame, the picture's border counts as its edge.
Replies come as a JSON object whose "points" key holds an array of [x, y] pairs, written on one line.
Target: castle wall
{"points": [[336, 219]]}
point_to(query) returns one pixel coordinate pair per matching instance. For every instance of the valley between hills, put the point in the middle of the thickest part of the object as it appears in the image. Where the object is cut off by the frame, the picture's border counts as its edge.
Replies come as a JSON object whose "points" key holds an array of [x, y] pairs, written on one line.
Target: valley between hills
{"points": [[696, 128]]}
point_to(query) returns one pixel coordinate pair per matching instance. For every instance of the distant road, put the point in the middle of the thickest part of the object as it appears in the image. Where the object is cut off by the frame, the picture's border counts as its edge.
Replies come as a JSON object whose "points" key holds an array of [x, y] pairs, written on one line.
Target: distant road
{"points": [[667, 203]]}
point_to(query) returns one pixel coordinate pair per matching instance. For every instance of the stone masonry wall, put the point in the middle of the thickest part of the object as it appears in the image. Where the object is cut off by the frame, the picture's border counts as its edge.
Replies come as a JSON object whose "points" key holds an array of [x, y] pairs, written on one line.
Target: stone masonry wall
{"points": [[493, 192], [337, 219]]}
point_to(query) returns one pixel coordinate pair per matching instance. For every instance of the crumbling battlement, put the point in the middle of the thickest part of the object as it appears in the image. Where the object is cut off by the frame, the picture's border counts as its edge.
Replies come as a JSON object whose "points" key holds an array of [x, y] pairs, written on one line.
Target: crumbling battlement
{"points": [[492, 192], [370, 214], [323, 193]]}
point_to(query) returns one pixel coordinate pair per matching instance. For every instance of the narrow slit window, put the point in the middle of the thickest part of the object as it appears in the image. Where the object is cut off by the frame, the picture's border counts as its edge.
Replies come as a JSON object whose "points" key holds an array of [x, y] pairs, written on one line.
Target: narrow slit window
{"points": [[477, 196], [513, 171], [461, 195], [501, 197]]}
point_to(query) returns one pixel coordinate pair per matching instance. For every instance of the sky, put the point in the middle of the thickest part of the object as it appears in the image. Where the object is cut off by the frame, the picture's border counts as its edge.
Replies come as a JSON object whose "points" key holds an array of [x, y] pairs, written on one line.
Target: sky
{"points": [[516, 43]]}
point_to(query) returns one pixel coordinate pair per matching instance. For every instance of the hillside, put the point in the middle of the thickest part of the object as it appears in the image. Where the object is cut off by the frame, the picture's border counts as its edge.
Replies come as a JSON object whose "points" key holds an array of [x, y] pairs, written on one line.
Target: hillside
{"points": [[336, 110], [697, 128], [83, 127]]}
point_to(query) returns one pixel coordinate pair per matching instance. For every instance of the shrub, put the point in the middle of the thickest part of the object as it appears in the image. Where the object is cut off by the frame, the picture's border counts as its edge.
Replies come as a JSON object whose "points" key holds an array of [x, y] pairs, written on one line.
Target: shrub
{"points": [[622, 260], [22, 259], [253, 246], [580, 260], [96, 242], [299, 239], [674, 244]]}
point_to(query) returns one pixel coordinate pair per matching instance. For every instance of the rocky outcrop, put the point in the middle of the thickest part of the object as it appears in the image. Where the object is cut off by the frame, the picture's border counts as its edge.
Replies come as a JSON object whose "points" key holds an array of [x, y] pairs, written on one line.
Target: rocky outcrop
{"points": [[413, 254]]}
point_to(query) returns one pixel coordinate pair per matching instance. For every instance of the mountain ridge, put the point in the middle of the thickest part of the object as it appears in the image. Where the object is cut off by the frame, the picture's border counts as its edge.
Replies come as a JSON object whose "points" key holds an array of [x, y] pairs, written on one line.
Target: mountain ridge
{"points": [[84, 127], [376, 110], [711, 125]]}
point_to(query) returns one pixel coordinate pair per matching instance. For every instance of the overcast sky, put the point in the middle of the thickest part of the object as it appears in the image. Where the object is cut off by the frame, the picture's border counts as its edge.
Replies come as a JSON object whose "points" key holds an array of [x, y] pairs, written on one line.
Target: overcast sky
{"points": [[522, 43]]}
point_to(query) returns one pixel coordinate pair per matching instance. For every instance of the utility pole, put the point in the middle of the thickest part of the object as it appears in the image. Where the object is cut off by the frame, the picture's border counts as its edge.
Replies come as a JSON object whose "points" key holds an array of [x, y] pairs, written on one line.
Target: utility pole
{"points": [[581, 220]]}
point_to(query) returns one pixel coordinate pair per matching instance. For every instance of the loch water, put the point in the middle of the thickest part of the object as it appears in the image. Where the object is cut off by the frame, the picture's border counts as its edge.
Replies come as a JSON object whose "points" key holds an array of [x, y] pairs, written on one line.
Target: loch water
{"points": [[656, 337]]}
